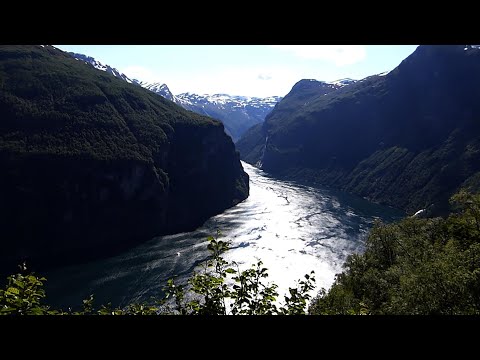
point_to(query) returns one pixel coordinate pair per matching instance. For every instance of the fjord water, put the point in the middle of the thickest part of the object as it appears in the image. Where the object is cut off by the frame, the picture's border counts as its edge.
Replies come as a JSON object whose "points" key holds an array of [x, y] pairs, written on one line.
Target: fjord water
{"points": [[291, 227]]}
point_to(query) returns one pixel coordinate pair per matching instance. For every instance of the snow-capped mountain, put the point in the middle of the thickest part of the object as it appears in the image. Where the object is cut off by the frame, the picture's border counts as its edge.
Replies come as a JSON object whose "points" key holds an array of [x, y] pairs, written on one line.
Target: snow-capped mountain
{"points": [[98, 65], [238, 113], [158, 88], [224, 100]]}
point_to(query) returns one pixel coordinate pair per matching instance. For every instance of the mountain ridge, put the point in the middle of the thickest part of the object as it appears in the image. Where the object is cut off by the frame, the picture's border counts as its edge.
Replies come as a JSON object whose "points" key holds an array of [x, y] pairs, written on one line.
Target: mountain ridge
{"points": [[409, 138]]}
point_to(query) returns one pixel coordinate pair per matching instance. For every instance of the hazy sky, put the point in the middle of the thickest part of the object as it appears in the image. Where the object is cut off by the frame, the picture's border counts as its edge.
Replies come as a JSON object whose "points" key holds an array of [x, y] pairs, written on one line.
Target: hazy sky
{"points": [[249, 70]]}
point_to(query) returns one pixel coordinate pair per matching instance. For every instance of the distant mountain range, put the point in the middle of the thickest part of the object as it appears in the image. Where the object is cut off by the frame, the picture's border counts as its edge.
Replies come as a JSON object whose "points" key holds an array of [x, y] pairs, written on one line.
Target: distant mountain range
{"points": [[237, 113], [408, 138]]}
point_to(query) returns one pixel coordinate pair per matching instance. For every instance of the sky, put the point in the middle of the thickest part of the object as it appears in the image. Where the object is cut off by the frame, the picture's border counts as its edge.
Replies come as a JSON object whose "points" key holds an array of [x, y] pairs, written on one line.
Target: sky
{"points": [[248, 70]]}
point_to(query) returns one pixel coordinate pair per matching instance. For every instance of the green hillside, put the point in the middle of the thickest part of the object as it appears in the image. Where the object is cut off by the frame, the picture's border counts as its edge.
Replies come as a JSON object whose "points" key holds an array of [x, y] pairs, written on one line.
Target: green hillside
{"points": [[409, 139]]}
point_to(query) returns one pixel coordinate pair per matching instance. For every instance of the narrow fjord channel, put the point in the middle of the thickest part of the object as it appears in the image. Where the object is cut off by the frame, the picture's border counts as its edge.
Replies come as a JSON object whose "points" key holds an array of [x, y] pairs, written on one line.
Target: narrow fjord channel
{"points": [[291, 227]]}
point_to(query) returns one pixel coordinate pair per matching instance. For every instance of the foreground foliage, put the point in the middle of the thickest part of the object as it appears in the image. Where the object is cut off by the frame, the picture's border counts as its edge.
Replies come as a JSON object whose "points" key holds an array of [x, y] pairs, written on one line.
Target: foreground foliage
{"points": [[220, 289], [416, 266]]}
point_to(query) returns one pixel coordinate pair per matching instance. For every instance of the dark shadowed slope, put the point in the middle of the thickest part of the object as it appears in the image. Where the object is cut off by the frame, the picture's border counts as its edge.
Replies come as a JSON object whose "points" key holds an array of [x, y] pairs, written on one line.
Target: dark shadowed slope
{"points": [[92, 164]]}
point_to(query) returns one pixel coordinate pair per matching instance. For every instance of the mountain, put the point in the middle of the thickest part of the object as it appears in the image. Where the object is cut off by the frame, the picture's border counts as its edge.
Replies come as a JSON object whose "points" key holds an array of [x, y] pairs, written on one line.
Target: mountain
{"points": [[409, 138], [92, 165], [252, 144], [237, 113], [158, 88], [98, 65]]}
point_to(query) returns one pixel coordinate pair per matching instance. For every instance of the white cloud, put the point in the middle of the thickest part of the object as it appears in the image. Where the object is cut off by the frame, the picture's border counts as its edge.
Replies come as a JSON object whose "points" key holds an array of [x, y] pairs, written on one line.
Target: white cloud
{"points": [[138, 72], [264, 77], [236, 81], [339, 55]]}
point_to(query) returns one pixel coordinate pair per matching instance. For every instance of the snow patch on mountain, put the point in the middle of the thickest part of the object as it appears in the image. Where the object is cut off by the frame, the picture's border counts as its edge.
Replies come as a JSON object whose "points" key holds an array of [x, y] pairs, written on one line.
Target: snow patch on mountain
{"points": [[225, 100], [342, 82], [157, 88], [98, 65]]}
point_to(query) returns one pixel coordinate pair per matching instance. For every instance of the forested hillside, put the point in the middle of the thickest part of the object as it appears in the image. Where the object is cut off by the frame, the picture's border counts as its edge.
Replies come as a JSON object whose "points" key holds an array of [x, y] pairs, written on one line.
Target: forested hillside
{"points": [[92, 165], [409, 139]]}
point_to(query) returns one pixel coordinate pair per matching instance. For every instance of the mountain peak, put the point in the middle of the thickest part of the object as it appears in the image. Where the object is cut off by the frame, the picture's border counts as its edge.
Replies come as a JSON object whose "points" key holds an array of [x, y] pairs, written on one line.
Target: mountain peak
{"points": [[98, 65], [305, 84], [158, 88], [431, 62], [312, 84]]}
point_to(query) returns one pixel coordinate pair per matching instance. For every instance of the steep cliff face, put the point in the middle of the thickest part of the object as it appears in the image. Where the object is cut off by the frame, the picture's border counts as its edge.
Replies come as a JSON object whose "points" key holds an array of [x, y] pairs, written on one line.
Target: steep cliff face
{"points": [[58, 210], [407, 139], [219, 166], [92, 165]]}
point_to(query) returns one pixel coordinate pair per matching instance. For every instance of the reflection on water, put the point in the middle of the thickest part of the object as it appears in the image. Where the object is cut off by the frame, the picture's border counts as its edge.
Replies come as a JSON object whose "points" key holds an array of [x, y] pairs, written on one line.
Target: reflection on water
{"points": [[292, 228]]}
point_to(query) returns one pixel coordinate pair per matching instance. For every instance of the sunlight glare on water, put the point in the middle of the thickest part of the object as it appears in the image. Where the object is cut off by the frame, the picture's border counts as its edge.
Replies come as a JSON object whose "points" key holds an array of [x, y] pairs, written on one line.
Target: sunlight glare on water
{"points": [[291, 228], [294, 229]]}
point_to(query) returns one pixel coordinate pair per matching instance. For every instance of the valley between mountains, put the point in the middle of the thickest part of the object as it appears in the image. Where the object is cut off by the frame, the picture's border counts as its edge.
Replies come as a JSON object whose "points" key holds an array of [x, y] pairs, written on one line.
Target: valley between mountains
{"points": [[116, 186]]}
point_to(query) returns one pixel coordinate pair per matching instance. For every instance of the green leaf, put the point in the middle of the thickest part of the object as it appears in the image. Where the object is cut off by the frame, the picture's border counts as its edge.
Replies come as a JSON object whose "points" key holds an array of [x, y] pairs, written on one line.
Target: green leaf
{"points": [[230, 271], [31, 278], [37, 311], [13, 290], [7, 310]]}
